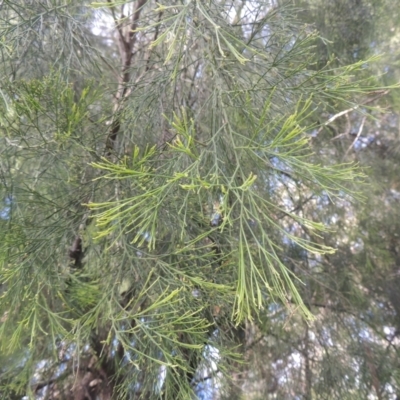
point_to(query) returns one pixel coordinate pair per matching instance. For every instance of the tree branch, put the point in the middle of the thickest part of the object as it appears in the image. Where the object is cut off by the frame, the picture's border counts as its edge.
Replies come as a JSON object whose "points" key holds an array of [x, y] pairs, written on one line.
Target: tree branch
{"points": [[379, 94], [126, 45]]}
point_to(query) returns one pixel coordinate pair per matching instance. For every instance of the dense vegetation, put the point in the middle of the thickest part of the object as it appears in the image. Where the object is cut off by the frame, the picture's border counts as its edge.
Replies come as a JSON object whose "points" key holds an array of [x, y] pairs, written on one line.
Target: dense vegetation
{"points": [[199, 198]]}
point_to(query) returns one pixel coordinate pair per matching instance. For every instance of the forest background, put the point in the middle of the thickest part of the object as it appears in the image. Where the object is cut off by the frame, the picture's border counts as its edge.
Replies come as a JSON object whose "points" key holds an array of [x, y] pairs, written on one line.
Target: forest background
{"points": [[200, 199]]}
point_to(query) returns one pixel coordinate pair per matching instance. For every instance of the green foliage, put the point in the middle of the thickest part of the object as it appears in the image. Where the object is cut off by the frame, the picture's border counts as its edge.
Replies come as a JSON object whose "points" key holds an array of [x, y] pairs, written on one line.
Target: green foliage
{"points": [[165, 196], [166, 201]]}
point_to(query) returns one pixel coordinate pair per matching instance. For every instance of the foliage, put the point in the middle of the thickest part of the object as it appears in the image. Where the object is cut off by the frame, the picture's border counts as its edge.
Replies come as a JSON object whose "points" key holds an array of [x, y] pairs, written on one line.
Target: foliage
{"points": [[168, 203]]}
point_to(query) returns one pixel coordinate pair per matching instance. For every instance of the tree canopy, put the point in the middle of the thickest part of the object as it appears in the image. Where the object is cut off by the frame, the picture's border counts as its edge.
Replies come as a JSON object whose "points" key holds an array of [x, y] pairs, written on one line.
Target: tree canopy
{"points": [[186, 210]]}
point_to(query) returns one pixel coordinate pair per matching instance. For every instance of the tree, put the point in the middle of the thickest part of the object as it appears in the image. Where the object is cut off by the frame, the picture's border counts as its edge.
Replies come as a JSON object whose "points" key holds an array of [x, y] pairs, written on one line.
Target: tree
{"points": [[350, 351], [161, 198]]}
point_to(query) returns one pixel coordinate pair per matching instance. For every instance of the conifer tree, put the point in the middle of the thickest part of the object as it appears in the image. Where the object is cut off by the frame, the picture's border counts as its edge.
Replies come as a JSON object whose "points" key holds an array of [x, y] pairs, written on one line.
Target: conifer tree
{"points": [[159, 189]]}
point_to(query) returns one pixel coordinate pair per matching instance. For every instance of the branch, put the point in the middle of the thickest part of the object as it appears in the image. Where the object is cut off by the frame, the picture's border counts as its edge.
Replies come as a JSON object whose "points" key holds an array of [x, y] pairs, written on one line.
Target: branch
{"points": [[156, 33], [358, 135], [379, 94], [75, 252], [118, 25], [126, 45]]}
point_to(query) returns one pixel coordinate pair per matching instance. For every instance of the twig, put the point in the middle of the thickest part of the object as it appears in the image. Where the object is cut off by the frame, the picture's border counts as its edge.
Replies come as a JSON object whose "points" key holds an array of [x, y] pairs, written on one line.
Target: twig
{"points": [[379, 94], [358, 135], [118, 25], [347, 131], [156, 33]]}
